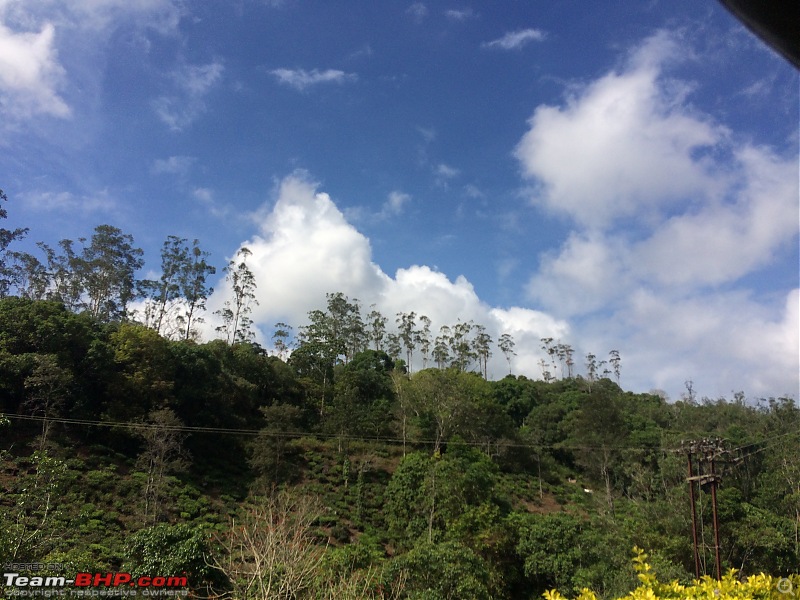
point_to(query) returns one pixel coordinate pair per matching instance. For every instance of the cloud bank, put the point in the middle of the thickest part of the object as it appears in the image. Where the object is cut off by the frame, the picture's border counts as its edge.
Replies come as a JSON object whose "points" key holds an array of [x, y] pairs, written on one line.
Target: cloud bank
{"points": [[306, 248], [670, 212]]}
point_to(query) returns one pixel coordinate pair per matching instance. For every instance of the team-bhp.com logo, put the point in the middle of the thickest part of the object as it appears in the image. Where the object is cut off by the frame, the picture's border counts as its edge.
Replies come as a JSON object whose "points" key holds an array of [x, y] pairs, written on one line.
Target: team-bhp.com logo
{"points": [[94, 584]]}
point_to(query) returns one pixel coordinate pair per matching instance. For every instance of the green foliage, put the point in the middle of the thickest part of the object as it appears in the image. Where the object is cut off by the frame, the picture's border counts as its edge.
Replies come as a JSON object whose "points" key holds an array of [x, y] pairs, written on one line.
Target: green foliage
{"points": [[444, 570], [165, 549], [428, 494], [363, 396], [482, 494]]}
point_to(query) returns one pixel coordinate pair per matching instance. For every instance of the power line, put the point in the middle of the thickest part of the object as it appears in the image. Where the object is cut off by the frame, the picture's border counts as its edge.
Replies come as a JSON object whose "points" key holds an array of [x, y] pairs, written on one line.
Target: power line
{"points": [[377, 438], [299, 434]]}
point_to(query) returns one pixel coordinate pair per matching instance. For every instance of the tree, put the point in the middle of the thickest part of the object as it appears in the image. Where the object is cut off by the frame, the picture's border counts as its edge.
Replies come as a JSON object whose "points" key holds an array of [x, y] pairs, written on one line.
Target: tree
{"points": [[271, 448], [162, 454], [441, 347], [393, 346], [363, 396], [444, 399], [616, 362], [422, 337], [446, 569], [28, 526], [164, 292], [317, 353], [591, 368], [106, 270], [547, 346], [194, 290], [29, 276], [506, 345], [7, 236], [61, 271], [235, 314], [269, 549], [143, 373], [345, 324], [181, 285], [599, 429], [280, 337], [428, 494], [355, 332], [461, 348], [568, 352], [168, 548], [48, 387], [406, 332], [551, 548], [481, 346], [377, 324]]}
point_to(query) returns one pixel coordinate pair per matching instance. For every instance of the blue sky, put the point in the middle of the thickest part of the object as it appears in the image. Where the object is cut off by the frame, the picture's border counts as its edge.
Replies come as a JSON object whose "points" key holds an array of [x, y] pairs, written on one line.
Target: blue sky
{"points": [[617, 175]]}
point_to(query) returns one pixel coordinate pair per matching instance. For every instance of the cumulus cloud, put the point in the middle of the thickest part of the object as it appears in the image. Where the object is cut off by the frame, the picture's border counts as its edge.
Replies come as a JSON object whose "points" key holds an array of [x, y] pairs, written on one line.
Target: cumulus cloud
{"points": [[515, 40], [186, 103], [301, 79], [725, 342], [306, 248], [30, 74], [623, 145], [670, 212], [736, 236]]}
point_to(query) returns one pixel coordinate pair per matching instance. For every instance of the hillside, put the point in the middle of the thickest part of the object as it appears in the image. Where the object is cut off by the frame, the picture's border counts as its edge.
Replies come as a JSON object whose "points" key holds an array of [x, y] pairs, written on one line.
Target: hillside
{"points": [[125, 451]]}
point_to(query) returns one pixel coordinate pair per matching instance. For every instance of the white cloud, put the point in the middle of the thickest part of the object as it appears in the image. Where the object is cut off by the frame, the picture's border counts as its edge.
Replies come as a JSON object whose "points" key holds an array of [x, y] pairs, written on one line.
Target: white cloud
{"points": [[48, 49], [584, 276], [460, 14], [30, 74], [671, 211], [307, 248], [161, 15], [444, 174], [301, 79], [395, 204], [724, 342], [623, 145], [99, 202], [393, 207], [173, 165], [418, 11], [204, 195], [191, 84], [725, 240], [515, 40], [99, 16]]}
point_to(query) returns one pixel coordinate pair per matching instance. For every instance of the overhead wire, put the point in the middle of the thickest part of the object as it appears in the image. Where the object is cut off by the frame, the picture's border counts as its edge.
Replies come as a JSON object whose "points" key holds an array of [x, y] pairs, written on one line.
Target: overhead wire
{"points": [[377, 438]]}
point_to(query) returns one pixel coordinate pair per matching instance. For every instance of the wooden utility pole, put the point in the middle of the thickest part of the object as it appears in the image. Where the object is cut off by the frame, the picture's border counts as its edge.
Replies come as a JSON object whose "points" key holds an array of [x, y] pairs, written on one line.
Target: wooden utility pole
{"points": [[716, 519], [691, 480], [707, 451]]}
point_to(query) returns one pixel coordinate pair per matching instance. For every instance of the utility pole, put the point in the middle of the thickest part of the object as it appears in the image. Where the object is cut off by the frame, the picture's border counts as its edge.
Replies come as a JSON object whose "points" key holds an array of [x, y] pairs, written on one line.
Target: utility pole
{"points": [[714, 480], [707, 450], [691, 480]]}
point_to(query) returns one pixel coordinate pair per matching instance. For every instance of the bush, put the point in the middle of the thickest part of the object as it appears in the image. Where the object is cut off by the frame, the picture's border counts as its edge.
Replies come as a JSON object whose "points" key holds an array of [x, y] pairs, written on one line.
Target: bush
{"points": [[729, 588]]}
